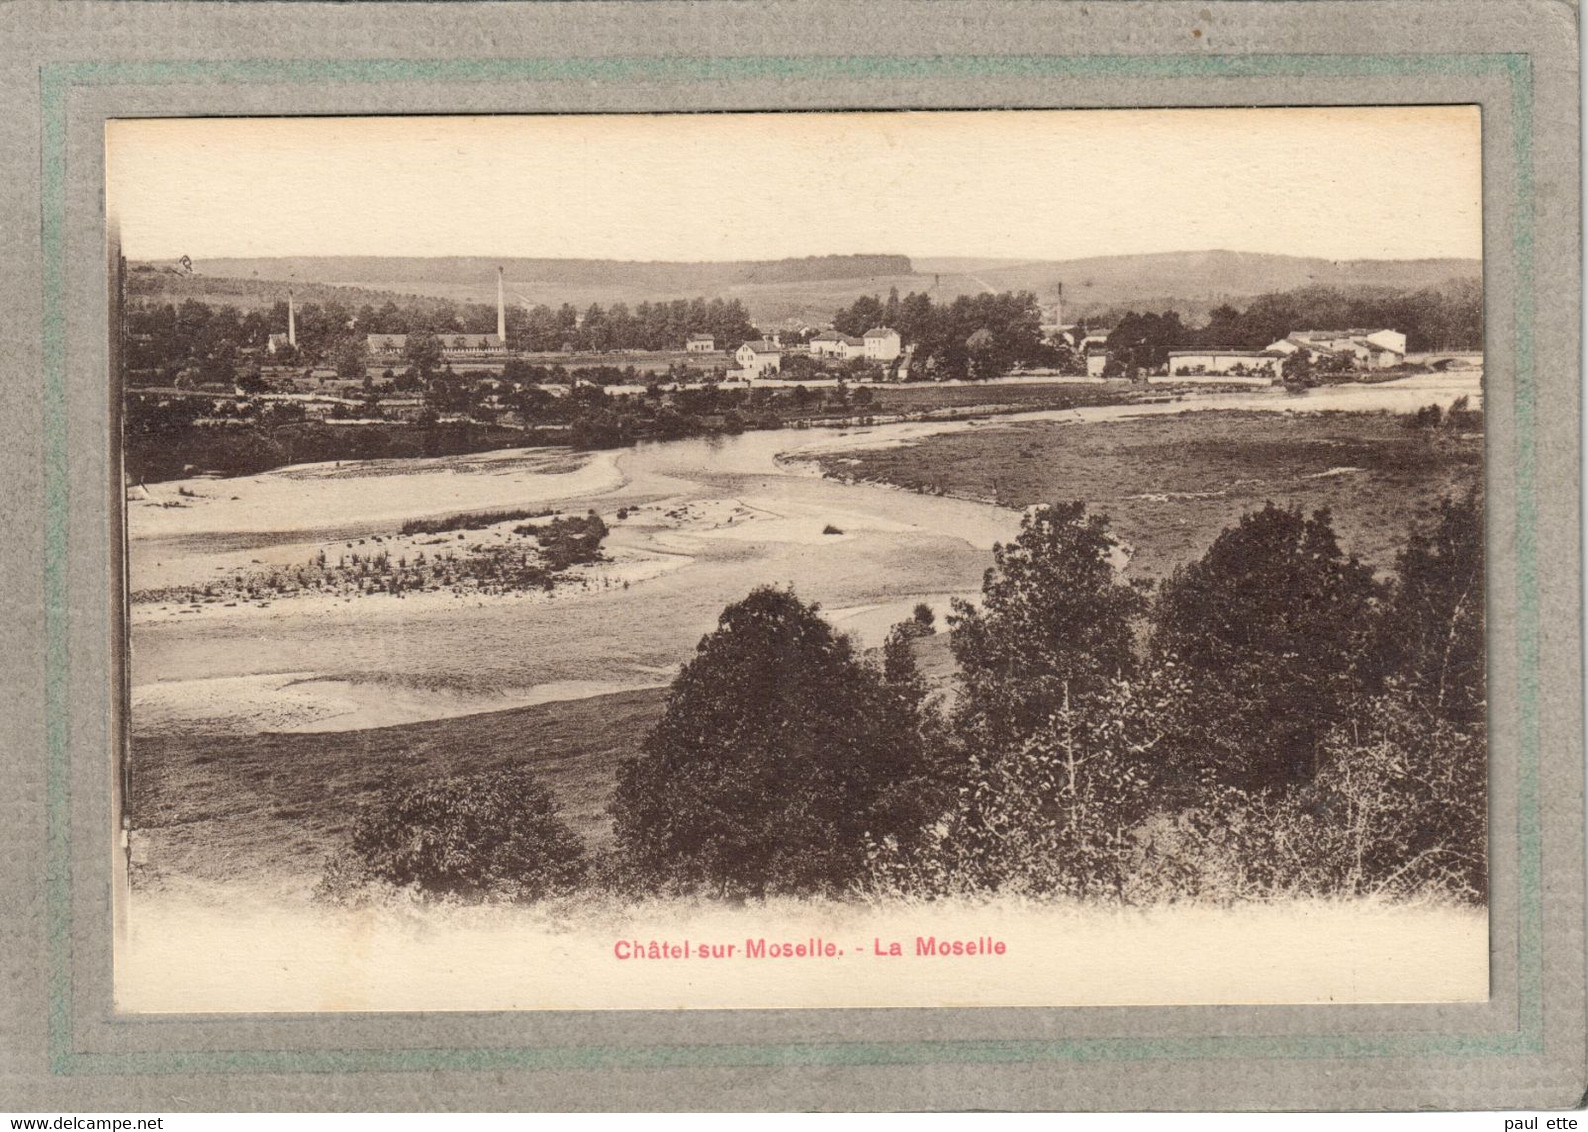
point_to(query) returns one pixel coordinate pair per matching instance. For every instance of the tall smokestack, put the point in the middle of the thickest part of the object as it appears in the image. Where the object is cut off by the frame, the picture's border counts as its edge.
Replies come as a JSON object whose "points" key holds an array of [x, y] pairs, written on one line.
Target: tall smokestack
{"points": [[1058, 308], [501, 310], [292, 323]]}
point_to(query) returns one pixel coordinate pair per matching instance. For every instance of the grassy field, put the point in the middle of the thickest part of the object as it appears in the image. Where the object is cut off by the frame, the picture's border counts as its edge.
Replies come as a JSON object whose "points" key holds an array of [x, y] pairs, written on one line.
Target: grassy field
{"points": [[271, 807], [1171, 483]]}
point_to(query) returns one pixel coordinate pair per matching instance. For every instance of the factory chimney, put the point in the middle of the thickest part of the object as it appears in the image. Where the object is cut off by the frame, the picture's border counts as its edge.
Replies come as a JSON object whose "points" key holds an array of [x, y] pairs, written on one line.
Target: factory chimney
{"points": [[292, 323], [501, 310], [1058, 307]]}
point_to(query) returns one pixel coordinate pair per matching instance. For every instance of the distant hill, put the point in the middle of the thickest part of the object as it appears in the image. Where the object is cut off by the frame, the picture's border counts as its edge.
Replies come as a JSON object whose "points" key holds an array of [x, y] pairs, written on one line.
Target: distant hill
{"points": [[810, 289], [1190, 282], [670, 278]]}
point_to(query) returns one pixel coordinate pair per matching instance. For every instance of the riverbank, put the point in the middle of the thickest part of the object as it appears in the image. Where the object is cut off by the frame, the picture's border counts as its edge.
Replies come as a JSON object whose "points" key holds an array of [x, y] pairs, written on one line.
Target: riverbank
{"points": [[426, 566], [165, 444]]}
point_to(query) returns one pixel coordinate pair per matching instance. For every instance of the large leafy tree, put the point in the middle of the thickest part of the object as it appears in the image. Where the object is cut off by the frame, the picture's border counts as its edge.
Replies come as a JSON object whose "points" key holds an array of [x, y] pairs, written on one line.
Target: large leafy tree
{"points": [[860, 316], [780, 758], [1052, 772], [423, 353], [1273, 627], [1143, 341], [1054, 623], [352, 360], [1433, 630]]}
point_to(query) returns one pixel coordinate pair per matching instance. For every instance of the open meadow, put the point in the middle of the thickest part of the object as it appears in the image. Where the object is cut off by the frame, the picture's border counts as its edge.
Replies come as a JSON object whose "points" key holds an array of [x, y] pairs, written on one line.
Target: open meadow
{"points": [[1170, 483]]}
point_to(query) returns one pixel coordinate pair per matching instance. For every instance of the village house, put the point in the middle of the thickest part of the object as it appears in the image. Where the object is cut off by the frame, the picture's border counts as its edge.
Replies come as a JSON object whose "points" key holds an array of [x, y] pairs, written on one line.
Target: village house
{"points": [[471, 345], [831, 344], [386, 345], [1096, 362], [700, 344], [880, 344], [758, 359], [1366, 349]]}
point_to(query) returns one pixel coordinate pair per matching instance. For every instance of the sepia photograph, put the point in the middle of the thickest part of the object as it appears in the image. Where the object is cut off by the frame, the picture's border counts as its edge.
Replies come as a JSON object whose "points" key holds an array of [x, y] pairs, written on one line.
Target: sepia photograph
{"points": [[801, 560]]}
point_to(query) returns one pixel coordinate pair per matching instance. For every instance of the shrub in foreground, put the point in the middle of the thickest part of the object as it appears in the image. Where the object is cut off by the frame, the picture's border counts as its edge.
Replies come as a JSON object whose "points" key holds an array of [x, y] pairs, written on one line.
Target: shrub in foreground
{"points": [[479, 837]]}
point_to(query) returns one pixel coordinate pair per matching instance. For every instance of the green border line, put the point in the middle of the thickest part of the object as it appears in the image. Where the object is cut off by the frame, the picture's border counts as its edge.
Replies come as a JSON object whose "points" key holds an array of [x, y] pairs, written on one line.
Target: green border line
{"points": [[56, 82]]}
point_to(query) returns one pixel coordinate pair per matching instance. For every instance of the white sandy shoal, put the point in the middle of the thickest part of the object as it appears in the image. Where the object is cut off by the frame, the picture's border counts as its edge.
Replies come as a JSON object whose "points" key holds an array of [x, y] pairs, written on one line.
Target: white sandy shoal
{"points": [[309, 496], [627, 566], [310, 702]]}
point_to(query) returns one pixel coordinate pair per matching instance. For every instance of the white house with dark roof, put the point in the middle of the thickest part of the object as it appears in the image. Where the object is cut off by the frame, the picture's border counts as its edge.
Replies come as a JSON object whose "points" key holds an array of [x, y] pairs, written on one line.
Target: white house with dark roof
{"points": [[831, 344], [700, 344], [880, 344], [758, 359]]}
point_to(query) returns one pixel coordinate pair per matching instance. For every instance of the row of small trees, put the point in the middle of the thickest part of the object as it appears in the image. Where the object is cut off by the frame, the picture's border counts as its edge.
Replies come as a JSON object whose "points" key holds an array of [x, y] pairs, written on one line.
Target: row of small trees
{"points": [[1275, 721], [971, 336], [166, 338], [1444, 318]]}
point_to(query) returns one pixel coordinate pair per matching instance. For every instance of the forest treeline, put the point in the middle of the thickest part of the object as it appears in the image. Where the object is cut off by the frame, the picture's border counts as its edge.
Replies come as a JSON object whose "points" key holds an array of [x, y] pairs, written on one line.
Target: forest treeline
{"points": [[1447, 318], [1277, 721], [171, 437], [1443, 318], [971, 336], [166, 340]]}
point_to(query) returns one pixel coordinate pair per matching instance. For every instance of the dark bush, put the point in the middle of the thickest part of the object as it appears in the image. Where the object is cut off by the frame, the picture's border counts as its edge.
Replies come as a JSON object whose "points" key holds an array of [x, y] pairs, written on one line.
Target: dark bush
{"points": [[781, 756], [571, 541], [492, 836], [1273, 627]]}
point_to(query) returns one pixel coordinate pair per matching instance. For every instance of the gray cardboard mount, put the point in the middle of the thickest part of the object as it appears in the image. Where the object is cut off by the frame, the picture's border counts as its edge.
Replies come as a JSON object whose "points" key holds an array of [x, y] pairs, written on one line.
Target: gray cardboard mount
{"points": [[67, 67]]}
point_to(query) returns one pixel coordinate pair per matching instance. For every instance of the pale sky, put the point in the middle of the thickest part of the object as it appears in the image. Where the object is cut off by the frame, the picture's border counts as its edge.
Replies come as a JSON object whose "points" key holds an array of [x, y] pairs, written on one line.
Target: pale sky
{"points": [[1340, 183]]}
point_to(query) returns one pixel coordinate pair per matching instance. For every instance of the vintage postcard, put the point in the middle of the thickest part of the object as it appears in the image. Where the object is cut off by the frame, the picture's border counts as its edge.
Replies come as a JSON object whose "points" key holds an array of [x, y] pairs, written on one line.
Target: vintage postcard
{"points": [[886, 559], [935, 554]]}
